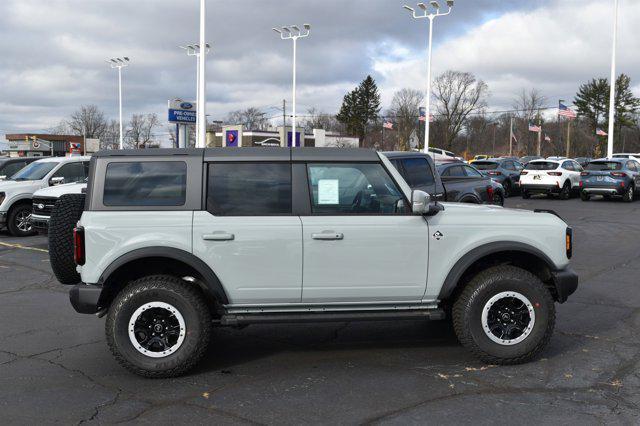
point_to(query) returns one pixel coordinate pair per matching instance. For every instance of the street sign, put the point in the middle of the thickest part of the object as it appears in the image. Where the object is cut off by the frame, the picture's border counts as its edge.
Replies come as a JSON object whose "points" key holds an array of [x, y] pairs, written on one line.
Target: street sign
{"points": [[183, 112]]}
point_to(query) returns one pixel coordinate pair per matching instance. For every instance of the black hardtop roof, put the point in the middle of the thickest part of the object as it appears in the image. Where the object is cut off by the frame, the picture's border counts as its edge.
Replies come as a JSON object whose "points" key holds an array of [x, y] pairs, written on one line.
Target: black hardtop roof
{"points": [[405, 154], [253, 154]]}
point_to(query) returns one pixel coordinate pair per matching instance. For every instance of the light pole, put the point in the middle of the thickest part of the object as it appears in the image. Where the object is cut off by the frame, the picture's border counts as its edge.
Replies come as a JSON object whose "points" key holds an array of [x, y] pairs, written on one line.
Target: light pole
{"points": [[194, 50], [612, 82], [201, 124], [294, 33], [119, 63], [430, 16]]}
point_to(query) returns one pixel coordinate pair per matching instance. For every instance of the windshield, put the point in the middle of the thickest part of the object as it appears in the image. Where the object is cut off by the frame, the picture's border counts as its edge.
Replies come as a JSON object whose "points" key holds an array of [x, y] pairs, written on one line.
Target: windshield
{"points": [[541, 165], [604, 166], [34, 171], [485, 165]]}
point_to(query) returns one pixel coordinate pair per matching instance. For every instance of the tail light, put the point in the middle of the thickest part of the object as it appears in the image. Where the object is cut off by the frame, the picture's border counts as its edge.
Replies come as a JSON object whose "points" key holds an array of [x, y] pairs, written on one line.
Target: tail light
{"points": [[554, 173], [581, 184], [524, 172], [493, 173], [569, 242], [618, 174], [78, 246], [490, 192], [584, 174]]}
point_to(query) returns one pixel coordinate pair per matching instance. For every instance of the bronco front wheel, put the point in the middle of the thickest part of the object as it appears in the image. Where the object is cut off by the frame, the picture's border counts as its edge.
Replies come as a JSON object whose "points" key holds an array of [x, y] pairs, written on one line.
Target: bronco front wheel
{"points": [[159, 326], [505, 315]]}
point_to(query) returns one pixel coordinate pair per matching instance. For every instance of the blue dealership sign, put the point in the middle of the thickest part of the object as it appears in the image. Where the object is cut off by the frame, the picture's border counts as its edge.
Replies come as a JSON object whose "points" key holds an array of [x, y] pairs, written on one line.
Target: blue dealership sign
{"points": [[182, 112]]}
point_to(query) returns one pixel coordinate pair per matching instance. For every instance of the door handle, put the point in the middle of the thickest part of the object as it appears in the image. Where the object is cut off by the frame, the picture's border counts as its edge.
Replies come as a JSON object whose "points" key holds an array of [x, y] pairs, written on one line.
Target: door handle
{"points": [[218, 236], [328, 236]]}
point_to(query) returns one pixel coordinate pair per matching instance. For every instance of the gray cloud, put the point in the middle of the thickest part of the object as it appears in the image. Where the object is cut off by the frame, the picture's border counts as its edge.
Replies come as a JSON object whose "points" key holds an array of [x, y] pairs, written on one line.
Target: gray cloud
{"points": [[53, 53]]}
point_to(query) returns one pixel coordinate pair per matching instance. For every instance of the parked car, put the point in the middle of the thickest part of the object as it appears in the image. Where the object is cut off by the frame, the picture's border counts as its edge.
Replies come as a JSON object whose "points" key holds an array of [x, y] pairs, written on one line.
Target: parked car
{"points": [[420, 172], [634, 156], [527, 158], [557, 158], [583, 161], [440, 155], [10, 166], [615, 177], [172, 243], [45, 199], [17, 192], [479, 157], [551, 177], [504, 171]]}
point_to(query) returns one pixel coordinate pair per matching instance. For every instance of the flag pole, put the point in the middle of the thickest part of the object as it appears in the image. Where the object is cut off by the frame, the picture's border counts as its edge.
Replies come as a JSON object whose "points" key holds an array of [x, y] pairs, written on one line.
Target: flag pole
{"points": [[539, 136], [510, 136]]}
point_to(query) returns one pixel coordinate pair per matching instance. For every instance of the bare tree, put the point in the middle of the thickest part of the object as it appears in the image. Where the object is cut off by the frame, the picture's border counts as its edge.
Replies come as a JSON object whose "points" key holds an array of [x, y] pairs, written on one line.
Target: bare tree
{"points": [[110, 138], [88, 121], [251, 118], [140, 129], [457, 94], [405, 108], [528, 105], [320, 120]]}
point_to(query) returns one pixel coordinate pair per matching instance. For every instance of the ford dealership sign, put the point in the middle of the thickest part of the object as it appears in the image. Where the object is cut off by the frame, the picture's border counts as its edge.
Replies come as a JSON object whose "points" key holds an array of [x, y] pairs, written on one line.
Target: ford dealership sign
{"points": [[182, 112]]}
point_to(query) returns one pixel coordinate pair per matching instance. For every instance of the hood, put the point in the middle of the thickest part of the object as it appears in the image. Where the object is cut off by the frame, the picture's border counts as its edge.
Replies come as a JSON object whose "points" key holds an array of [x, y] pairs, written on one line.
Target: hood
{"points": [[12, 186], [60, 190], [496, 215]]}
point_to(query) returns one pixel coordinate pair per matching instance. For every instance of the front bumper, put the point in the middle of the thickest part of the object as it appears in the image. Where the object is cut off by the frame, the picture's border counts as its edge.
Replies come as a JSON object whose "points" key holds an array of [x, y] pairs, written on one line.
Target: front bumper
{"points": [[566, 283], [540, 189], [40, 222], [84, 298]]}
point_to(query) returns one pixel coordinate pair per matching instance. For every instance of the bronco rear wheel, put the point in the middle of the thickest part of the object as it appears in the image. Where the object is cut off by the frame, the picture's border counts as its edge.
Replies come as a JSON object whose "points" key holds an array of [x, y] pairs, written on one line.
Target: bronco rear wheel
{"points": [[505, 315], [159, 326]]}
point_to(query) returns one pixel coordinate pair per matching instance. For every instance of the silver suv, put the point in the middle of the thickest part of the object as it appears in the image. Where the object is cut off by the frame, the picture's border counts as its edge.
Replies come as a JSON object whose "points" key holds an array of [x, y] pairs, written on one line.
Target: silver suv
{"points": [[174, 242]]}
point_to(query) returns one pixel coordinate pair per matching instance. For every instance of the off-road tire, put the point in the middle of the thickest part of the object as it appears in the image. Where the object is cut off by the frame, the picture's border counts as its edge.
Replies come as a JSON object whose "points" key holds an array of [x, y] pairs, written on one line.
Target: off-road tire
{"points": [[64, 217], [629, 194], [584, 196], [186, 298], [12, 226], [565, 192], [467, 311]]}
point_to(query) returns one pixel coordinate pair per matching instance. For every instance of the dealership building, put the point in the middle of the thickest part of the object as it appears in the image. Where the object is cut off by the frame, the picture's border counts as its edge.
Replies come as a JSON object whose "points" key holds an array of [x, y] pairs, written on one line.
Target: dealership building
{"points": [[41, 145], [237, 136]]}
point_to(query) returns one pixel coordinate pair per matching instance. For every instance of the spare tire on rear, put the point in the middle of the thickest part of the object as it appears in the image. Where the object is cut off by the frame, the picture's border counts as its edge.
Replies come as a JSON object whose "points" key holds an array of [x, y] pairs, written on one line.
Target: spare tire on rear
{"points": [[64, 217]]}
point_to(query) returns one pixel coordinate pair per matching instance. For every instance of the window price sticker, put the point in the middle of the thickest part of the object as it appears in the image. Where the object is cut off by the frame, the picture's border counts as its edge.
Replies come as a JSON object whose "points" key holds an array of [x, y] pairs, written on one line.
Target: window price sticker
{"points": [[328, 191]]}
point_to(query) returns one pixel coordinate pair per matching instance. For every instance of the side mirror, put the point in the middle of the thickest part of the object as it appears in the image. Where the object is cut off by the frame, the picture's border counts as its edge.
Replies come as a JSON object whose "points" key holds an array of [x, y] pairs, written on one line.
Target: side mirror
{"points": [[59, 180], [422, 204]]}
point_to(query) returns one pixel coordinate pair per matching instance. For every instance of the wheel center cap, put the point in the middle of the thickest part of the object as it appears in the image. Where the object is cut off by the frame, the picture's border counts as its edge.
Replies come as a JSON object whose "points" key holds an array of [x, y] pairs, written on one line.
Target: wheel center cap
{"points": [[505, 317], [157, 328]]}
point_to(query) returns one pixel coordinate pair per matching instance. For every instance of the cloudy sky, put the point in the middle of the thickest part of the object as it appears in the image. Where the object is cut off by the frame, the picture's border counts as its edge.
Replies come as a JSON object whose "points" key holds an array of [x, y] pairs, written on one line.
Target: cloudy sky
{"points": [[53, 52]]}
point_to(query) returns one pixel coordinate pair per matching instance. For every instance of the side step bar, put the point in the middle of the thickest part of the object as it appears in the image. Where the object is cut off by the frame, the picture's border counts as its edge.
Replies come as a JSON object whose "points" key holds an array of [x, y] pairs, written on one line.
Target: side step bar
{"points": [[298, 317]]}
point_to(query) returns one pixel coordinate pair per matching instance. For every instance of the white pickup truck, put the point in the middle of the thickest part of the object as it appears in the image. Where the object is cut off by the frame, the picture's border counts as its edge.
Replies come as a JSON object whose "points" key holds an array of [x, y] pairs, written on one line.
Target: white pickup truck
{"points": [[171, 243]]}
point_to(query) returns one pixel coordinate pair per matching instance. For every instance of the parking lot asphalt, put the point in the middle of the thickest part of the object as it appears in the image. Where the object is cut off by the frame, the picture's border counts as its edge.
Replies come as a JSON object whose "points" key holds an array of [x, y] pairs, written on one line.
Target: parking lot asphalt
{"points": [[55, 365]]}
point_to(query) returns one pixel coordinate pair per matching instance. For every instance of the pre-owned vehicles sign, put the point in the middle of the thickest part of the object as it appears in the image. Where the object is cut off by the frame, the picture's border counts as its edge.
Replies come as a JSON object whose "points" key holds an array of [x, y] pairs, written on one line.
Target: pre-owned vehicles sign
{"points": [[182, 111]]}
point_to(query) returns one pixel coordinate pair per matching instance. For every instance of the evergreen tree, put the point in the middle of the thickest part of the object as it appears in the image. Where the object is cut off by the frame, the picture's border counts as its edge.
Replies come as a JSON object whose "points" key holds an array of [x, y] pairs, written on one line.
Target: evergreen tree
{"points": [[360, 108]]}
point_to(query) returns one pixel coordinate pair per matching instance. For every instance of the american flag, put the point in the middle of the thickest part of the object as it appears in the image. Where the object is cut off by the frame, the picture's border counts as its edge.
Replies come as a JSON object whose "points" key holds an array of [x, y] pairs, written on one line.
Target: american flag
{"points": [[600, 132], [565, 111], [534, 127], [388, 125]]}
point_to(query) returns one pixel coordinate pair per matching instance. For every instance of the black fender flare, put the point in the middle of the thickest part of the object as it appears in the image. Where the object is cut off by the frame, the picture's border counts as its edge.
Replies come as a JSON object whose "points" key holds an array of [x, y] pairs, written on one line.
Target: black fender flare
{"points": [[210, 278], [469, 258], [470, 199]]}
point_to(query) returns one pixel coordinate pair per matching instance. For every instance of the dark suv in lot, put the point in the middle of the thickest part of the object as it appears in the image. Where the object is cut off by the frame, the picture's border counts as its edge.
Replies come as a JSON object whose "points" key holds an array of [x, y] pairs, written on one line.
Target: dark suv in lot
{"points": [[614, 177], [505, 171], [452, 181]]}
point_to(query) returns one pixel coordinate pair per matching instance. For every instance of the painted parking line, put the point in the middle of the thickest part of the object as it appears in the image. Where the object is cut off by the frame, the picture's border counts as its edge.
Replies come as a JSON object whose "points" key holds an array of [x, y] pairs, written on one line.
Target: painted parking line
{"points": [[20, 246]]}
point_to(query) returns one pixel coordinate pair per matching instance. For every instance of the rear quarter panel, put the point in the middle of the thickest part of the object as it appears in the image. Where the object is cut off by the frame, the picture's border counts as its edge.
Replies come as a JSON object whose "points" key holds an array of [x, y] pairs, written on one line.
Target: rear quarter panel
{"points": [[109, 235]]}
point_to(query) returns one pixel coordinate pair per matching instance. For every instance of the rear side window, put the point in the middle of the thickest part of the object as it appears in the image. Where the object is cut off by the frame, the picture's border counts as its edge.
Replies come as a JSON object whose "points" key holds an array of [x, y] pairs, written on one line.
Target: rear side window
{"points": [[417, 172], [541, 165], [604, 166], [145, 183], [249, 189]]}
